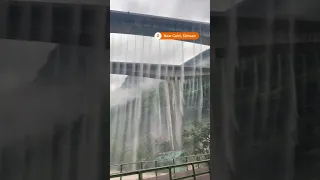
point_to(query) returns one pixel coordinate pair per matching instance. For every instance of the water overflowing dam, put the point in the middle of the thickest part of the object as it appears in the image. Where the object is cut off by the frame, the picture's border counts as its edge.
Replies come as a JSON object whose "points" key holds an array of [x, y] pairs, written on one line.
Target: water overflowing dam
{"points": [[148, 115]]}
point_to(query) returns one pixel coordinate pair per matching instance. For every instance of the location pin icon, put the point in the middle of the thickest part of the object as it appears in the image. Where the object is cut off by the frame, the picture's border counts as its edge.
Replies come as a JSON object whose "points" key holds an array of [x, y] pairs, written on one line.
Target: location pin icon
{"points": [[157, 35]]}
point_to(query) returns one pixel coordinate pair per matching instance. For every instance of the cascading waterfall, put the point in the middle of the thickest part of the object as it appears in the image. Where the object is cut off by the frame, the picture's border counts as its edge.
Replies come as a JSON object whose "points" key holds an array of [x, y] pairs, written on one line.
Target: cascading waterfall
{"points": [[200, 99], [168, 112], [151, 119]]}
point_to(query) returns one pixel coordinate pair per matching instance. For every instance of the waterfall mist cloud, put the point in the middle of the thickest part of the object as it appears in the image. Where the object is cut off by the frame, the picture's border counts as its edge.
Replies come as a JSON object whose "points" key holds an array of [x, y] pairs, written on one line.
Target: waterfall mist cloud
{"points": [[123, 95]]}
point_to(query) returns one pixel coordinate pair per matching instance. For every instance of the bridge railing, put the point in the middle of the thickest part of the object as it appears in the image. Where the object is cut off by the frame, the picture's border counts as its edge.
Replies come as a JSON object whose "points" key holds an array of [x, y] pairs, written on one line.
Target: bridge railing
{"points": [[194, 172], [141, 165]]}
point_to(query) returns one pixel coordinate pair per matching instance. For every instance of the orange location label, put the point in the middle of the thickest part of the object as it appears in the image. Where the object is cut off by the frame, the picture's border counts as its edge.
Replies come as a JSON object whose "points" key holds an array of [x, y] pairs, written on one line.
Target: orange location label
{"points": [[186, 36]]}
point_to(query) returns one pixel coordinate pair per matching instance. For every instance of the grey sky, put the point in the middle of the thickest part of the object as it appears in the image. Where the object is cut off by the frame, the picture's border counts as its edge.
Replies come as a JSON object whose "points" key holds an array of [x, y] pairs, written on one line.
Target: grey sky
{"points": [[149, 50]]}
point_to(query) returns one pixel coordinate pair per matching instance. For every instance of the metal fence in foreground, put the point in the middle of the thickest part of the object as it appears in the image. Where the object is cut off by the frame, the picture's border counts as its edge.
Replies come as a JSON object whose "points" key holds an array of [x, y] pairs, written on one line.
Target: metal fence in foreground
{"points": [[140, 165], [171, 175]]}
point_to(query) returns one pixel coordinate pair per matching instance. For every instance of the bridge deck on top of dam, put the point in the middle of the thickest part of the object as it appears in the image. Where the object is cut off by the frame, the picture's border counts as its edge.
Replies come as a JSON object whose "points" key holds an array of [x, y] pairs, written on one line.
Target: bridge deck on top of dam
{"points": [[157, 71], [147, 25]]}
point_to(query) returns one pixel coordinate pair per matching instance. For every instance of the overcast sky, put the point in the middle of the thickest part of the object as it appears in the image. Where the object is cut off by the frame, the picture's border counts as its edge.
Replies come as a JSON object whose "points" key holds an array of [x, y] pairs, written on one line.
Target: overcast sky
{"points": [[149, 50]]}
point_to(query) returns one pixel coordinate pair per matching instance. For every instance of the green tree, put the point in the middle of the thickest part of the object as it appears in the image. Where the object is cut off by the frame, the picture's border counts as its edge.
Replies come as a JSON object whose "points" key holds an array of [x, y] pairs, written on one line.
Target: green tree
{"points": [[197, 139]]}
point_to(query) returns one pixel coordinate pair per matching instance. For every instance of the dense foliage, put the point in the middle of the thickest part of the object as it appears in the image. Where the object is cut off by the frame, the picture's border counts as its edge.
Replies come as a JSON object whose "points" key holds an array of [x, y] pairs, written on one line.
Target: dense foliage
{"points": [[197, 139]]}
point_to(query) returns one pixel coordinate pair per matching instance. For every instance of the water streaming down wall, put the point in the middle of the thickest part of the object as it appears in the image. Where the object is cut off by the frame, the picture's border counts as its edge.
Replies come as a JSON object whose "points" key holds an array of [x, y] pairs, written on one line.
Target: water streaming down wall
{"points": [[152, 119]]}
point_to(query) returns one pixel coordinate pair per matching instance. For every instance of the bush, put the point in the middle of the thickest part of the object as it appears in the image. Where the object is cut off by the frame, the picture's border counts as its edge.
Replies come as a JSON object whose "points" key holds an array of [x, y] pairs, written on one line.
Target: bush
{"points": [[197, 139]]}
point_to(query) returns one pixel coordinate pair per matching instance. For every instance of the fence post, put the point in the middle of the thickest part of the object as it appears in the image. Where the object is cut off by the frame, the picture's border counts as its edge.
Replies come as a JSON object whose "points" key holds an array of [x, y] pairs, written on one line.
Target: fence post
{"points": [[140, 176], [156, 165], [187, 162], [198, 159], [121, 169], [170, 174], [193, 171], [173, 163]]}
